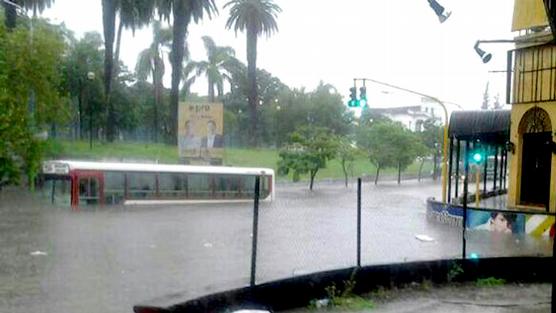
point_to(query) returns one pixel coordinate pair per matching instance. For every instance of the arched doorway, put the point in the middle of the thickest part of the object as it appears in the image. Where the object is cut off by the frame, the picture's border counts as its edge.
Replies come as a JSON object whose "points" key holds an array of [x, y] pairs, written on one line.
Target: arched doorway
{"points": [[535, 130]]}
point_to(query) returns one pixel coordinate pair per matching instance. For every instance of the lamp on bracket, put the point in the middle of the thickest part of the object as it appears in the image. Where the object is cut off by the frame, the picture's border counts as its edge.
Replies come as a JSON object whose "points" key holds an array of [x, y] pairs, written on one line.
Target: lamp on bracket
{"points": [[439, 11], [484, 55]]}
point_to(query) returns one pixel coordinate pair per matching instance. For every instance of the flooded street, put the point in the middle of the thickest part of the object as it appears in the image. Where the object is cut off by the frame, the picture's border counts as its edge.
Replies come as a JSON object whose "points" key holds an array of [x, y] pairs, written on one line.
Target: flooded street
{"points": [[108, 259]]}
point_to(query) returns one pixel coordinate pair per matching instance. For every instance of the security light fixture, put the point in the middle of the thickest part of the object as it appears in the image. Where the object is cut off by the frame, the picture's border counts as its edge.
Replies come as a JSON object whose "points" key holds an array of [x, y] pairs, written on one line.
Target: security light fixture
{"points": [[439, 11], [484, 55]]}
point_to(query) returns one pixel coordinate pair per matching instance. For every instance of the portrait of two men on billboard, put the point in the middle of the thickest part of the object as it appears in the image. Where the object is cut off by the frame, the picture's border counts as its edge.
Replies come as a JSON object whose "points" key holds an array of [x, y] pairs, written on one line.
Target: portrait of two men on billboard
{"points": [[200, 133]]}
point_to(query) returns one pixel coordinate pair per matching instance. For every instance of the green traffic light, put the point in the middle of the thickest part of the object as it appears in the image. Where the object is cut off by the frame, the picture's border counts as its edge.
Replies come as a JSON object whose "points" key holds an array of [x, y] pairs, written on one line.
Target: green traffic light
{"points": [[363, 102], [477, 157], [353, 103]]}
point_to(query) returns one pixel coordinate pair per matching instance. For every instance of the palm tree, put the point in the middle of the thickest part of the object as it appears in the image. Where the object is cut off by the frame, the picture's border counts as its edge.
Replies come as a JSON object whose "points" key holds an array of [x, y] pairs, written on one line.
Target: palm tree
{"points": [[133, 14], [255, 17], [150, 63], [216, 68], [10, 12], [182, 12]]}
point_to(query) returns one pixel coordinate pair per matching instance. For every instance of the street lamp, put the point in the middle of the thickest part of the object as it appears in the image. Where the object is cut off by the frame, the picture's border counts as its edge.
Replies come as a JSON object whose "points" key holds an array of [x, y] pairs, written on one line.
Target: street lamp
{"points": [[278, 108], [90, 78], [484, 56], [439, 11], [445, 145]]}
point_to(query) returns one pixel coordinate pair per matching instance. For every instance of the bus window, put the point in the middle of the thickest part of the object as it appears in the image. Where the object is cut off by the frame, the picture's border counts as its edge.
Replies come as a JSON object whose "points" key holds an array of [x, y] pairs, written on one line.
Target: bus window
{"points": [[264, 190], [248, 187], [114, 187], [172, 186], [142, 185], [88, 190], [56, 189], [198, 186], [225, 186], [219, 186]]}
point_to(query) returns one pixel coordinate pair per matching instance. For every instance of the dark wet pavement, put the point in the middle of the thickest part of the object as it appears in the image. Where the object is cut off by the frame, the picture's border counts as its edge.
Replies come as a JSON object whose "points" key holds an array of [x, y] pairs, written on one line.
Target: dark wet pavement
{"points": [[108, 259]]}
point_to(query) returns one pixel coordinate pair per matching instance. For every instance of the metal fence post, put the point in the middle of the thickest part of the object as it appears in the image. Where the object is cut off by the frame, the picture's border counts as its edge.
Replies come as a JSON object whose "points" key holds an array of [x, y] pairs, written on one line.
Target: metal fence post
{"points": [[552, 306], [465, 192], [358, 222], [255, 230]]}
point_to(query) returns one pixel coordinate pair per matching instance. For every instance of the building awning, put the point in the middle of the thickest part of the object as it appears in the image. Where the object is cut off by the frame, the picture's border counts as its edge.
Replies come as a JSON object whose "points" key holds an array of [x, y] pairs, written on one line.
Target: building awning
{"points": [[487, 126]]}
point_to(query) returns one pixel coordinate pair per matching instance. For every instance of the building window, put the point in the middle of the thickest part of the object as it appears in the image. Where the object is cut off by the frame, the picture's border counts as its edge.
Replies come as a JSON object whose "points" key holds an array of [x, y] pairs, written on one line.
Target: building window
{"points": [[419, 126]]}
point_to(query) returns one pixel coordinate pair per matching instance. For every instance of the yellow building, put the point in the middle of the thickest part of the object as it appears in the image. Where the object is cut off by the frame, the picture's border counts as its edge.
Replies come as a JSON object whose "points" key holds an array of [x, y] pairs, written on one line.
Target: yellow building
{"points": [[532, 94]]}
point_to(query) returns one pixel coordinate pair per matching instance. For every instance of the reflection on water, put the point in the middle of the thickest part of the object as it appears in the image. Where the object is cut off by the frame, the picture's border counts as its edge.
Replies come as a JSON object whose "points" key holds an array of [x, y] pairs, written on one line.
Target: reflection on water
{"points": [[494, 244]]}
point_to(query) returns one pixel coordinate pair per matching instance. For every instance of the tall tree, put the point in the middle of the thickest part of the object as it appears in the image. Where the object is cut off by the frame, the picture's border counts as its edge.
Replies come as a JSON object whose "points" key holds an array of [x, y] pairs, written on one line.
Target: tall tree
{"points": [[84, 56], [10, 9], [408, 147], [217, 67], [133, 14], [182, 13], [376, 142], [346, 154], [255, 17], [431, 137], [150, 63], [33, 65]]}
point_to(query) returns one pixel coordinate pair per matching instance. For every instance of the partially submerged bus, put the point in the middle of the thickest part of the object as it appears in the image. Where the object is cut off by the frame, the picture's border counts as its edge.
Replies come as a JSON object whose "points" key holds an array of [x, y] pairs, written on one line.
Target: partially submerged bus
{"points": [[79, 183]]}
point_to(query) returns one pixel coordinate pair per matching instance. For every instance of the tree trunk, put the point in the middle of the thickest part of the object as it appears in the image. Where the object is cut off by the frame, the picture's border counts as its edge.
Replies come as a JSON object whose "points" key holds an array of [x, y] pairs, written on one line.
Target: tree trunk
{"points": [[117, 51], [377, 173], [157, 99], [312, 175], [80, 100], [345, 172], [252, 82], [220, 91], [109, 24], [211, 90], [399, 173], [179, 30], [10, 16], [421, 169]]}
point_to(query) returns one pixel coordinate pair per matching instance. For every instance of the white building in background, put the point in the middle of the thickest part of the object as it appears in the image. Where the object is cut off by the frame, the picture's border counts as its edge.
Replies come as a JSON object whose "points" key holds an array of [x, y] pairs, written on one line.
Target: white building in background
{"points": [[412, 117]]}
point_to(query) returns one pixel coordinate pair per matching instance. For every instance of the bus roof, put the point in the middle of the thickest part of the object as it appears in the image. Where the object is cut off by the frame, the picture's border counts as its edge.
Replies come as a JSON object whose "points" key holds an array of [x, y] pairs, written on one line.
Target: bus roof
{"points": [[54, 167]]}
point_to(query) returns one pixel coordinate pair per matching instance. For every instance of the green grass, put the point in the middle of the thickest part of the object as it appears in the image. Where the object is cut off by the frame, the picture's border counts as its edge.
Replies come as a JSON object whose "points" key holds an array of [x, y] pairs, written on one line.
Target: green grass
{"points": [[128, 151], [490, 282], [354, 303]]}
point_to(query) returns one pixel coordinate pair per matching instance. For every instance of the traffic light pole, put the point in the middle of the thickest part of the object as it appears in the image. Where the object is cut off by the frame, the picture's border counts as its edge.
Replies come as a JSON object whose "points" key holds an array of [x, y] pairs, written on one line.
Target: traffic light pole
{"points": [[445, 144]]}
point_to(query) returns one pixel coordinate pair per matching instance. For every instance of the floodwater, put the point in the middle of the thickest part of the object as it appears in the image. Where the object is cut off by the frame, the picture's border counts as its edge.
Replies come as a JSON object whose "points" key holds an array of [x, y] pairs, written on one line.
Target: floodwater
{"points": [[108, 259]]}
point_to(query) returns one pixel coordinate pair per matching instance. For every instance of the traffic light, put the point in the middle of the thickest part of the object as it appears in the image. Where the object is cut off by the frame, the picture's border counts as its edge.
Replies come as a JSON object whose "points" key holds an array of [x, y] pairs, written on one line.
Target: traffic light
{"points": [[353, 102], [363, 96], [477, 156]]}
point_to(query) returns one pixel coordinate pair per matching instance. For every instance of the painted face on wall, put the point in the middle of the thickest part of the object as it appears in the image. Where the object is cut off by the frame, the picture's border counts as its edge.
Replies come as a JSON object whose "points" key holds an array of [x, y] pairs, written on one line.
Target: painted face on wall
{"points": [[500, 224]]}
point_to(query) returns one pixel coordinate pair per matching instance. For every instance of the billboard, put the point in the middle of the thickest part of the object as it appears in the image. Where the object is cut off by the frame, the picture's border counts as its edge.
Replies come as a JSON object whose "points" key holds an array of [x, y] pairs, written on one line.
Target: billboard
{"points": [[200, 133], [496, 221]]}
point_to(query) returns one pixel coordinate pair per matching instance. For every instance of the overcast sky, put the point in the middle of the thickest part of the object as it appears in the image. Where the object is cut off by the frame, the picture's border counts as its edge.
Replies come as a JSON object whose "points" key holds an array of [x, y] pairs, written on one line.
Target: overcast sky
{"points": [[396, 41]]}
